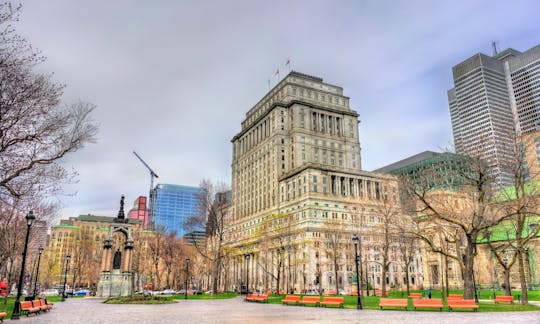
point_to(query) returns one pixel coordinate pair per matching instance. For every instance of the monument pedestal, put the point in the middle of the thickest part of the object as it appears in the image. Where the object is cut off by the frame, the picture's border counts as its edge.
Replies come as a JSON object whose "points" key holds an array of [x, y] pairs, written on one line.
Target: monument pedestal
{"points": [[114, 284]]}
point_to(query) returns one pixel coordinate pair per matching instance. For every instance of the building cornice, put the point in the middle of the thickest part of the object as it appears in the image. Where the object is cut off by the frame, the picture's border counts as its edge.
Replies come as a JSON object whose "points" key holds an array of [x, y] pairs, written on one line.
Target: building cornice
{"points": [[288, 105]]}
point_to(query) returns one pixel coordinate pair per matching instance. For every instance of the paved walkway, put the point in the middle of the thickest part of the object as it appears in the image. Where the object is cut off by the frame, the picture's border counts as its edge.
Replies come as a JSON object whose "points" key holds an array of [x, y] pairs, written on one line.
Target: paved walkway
{"points": [[92, 310]]}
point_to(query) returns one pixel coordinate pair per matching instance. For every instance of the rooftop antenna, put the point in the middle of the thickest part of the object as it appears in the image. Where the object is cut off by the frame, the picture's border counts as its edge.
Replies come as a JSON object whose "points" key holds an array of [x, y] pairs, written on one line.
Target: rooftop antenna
{"points": [[152, 176], [494, 47]]}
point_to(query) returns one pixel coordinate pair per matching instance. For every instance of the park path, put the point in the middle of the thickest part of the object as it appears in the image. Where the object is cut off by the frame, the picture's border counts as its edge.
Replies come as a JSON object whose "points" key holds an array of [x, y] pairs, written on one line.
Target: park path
{"points": [[92, 310]]}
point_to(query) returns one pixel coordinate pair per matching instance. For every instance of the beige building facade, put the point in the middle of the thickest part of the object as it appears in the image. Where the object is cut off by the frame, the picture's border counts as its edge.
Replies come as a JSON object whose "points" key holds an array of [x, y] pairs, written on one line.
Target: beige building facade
{"points": [[297, 180]]}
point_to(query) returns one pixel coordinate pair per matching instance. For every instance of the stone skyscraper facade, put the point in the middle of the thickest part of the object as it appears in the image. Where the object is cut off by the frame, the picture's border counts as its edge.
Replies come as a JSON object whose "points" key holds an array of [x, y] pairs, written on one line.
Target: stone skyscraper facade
{"points": [[494, 101], [296, 174]]}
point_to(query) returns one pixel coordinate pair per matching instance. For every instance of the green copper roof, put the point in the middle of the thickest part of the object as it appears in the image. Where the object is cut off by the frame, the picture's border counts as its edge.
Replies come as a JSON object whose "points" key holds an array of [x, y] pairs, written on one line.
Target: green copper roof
{"points": [[509, 193], [507, 232]]}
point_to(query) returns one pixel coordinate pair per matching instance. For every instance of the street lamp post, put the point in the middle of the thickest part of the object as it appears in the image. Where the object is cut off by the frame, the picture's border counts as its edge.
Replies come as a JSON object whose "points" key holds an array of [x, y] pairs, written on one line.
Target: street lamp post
{"points": [[247, 272], [64, 294], [73, 283], [40, 250], [17, 307], [358, 291], [187, 275]]}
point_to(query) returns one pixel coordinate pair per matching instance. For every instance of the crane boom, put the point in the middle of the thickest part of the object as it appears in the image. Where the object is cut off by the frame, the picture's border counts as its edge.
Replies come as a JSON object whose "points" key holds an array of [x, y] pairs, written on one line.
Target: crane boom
{"points": [[152, 173], [151, 195]]}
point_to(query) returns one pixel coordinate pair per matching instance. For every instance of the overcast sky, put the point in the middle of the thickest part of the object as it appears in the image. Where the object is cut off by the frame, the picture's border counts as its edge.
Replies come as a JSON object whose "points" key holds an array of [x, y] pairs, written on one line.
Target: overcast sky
{"points": [[174, 79]]}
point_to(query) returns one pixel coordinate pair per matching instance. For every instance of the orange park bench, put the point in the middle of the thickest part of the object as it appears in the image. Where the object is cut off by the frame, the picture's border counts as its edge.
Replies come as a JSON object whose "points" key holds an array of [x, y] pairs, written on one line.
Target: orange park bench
{"points": [[428, 303], [415, 295], [47, 303], [462, 303], [455, 297], [257, 297], [309, 300], [336, 301], [2, 315], [27, 308], [290, 299], [393, 302], [38, 304], [504, 299]]}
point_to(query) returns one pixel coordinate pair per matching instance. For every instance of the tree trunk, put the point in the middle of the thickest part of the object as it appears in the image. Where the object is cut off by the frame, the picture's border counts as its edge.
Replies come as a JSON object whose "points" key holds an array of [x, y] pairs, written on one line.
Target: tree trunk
{"points": [[507, 289], [383, 285], [522, 279], [215, 274], [336, 275], [468, 283], [278, 277], [407, 280]]}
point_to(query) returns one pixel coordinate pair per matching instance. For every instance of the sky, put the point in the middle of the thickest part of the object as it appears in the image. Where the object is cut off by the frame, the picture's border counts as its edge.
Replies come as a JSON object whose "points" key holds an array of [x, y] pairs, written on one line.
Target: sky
{"points": [[173, 80]]}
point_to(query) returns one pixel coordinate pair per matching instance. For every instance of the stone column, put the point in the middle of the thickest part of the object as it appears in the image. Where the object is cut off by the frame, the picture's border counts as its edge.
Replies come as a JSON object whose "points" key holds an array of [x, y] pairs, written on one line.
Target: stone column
{"points": [[128, 251], [106, 257]]}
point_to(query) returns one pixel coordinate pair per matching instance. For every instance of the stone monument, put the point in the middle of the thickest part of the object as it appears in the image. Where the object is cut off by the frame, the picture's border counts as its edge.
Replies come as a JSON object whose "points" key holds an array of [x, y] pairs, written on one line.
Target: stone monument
{"points": [[115, 278]]}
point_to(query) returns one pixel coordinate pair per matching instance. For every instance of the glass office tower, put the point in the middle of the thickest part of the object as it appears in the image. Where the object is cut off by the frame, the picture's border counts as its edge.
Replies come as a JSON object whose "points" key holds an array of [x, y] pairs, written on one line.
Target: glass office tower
{"points": [[173, 205]]}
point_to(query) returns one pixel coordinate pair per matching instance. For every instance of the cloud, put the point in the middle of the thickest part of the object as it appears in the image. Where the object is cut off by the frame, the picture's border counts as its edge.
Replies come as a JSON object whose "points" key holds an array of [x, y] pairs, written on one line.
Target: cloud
{"points": [[174, 80]]}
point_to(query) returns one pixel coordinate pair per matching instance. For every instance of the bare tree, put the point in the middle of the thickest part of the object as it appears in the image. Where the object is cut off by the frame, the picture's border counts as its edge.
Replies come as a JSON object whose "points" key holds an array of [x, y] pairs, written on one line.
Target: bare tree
{"points": [[36, 130], [462, 198], [335, 231], [520, 205], [274, 236], [155, 251], [212, 216]]}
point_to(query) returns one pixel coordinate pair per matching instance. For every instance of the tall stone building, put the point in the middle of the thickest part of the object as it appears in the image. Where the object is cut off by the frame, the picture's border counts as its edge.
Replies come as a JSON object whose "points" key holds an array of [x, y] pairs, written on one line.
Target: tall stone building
{"points": [[297, 180], [494, 99]]}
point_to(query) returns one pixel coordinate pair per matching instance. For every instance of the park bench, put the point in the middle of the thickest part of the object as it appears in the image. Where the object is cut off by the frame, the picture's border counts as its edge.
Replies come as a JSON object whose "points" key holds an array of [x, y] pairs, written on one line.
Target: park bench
{"points": [[393, 302], [257, 297], [462, 303], [336, 301], [309, 300], [290, 299], [330, 292], [379, 293], [38, 304], [48, 303], [415, 295], [504, 299], [27, 308], [455, 297], [428, 303], [2, 315]]}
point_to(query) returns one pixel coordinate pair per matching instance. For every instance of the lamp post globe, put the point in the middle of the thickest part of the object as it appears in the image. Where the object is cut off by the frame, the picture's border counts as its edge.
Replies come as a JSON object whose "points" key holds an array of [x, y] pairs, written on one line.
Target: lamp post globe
{"points": [[17, 307]]}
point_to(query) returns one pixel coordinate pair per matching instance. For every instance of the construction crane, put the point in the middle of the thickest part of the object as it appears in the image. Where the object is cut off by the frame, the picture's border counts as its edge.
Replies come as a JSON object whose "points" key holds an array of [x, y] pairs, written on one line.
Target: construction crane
{"points": [[151, 204]]}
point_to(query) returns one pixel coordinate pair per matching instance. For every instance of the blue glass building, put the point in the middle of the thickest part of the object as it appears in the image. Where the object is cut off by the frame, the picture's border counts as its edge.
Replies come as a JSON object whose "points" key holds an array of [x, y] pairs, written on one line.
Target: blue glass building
{"points": [[173, 204]]}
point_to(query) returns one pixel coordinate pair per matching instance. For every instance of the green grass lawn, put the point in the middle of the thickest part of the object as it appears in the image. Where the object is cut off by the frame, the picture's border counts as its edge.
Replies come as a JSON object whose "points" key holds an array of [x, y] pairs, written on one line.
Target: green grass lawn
{"points": [[11, 303], [206, 296], [371, 302]]}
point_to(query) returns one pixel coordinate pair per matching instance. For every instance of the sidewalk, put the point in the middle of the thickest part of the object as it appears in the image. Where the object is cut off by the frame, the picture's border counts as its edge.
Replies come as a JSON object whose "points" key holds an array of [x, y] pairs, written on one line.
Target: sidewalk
{"points": [[92, 310]]}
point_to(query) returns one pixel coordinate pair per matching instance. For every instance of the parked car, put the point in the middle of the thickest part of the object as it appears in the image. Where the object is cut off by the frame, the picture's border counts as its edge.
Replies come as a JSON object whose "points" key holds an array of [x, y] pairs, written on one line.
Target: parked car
{"points": [[51, 292], [81, 292], [168, 292]]}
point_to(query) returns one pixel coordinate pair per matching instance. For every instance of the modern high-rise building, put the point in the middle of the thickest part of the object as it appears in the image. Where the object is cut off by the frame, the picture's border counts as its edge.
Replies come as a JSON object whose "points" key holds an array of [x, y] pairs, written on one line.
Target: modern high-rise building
{"points": [[296, 182], [495, 99], [173, 205]]}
